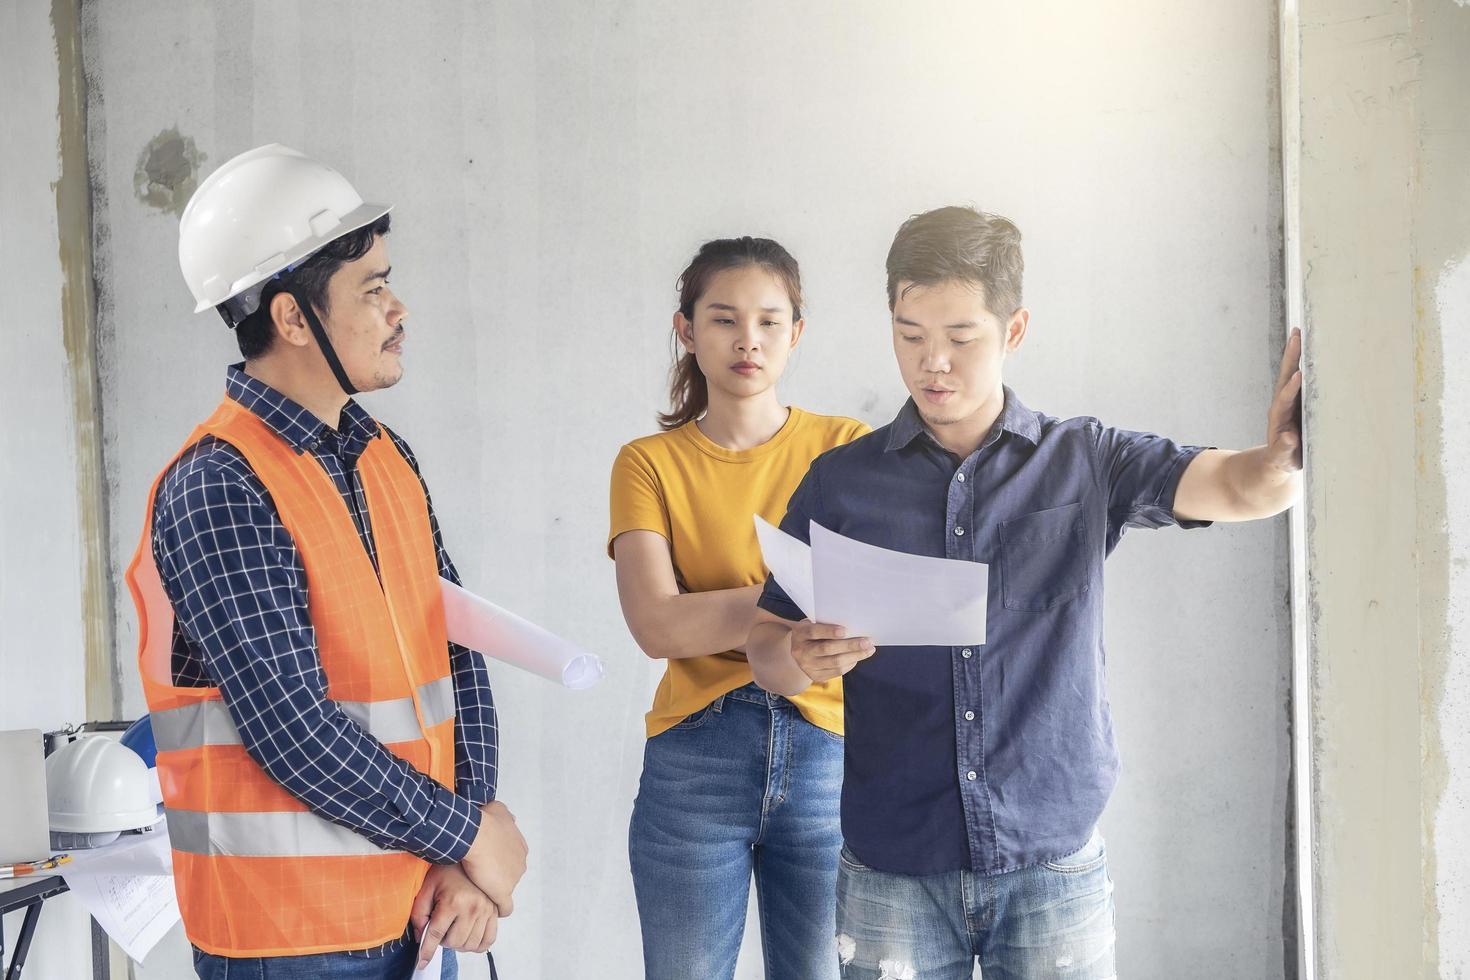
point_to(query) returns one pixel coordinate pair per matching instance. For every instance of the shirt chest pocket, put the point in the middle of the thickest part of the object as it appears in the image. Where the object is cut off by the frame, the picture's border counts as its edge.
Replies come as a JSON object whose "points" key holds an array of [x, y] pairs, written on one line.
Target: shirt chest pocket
{"points": [[1043, 559]]}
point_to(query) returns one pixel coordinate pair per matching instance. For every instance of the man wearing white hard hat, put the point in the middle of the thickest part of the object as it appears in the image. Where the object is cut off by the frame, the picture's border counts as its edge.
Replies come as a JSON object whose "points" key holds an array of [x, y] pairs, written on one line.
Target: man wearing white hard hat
{"points": [[328, 758]]}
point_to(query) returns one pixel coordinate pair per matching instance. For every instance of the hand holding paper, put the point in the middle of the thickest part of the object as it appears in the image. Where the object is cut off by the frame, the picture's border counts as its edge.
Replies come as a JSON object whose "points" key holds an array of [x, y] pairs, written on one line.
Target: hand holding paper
{"points": [[823, 651], [896, 599]]}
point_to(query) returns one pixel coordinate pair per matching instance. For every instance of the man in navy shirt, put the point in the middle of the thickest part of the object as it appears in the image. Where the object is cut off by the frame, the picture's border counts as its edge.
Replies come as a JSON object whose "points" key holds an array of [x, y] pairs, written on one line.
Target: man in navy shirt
{"points": [[975, 775]]}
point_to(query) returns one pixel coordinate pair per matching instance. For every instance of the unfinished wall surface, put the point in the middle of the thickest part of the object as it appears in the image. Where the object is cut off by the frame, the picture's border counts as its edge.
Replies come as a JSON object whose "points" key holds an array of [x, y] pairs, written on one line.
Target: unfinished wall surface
{"points": [[554, 165], [44, 612], [1441, 34], [1386, 245]]}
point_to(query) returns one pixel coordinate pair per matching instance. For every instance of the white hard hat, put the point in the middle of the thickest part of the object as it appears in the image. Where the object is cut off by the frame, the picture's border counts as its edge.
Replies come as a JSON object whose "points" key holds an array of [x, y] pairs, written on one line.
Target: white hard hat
{"points": [[97, 786], [258, 214]]}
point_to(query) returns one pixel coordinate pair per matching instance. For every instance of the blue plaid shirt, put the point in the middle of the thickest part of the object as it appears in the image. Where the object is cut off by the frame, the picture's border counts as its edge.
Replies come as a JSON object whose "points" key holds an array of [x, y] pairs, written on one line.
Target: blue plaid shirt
{"points": [[238, 589]]}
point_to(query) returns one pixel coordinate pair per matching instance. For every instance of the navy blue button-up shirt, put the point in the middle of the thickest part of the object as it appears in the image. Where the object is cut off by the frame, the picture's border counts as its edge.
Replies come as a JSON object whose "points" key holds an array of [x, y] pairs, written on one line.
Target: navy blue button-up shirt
{"points": [[993, 757]]}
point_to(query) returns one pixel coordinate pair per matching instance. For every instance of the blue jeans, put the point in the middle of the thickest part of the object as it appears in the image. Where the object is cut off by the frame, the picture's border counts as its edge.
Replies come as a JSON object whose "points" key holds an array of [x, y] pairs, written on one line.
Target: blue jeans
{"points": [[1052, 920], [745, 786], [397, 965]]}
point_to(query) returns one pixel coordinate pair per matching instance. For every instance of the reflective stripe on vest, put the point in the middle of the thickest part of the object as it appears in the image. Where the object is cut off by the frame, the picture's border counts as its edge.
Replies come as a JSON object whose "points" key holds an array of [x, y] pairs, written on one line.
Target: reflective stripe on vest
{"points": [[209, 723], [273, 834]]}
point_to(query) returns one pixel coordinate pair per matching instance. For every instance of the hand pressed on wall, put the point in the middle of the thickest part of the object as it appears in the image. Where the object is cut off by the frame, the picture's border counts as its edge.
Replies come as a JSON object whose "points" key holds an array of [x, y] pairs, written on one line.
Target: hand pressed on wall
{"points": [[1284, 424]]}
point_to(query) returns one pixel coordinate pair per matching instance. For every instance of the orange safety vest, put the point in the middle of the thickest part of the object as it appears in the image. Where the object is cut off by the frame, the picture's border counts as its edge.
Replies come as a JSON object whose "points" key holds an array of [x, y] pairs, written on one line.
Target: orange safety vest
{"points": [[257, 873]]}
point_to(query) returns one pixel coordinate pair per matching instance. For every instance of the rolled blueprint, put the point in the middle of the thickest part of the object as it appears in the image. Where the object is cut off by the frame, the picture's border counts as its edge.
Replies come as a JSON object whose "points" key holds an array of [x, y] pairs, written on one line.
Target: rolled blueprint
{"points": [[478, 623]]}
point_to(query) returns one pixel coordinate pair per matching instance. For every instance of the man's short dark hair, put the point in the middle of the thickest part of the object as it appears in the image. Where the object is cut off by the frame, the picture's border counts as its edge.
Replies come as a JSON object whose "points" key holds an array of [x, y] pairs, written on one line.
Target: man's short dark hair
{"points": [[959, 244], [256, 332]]}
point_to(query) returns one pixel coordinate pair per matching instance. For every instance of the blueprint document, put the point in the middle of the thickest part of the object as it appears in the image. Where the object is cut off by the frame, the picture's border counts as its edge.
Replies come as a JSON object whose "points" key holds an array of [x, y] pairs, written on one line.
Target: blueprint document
{"points": [[481, 625], [135, 910], [894, 598]]}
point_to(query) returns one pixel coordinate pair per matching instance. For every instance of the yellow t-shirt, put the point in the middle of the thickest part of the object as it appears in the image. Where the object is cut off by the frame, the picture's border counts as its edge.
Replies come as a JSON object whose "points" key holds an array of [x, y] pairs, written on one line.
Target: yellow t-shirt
{"points": [[700, 496]]}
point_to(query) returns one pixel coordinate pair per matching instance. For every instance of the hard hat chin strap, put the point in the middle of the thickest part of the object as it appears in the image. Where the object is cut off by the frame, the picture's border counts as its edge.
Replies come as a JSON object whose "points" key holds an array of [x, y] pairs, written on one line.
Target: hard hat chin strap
{"points": [[328, 351]]}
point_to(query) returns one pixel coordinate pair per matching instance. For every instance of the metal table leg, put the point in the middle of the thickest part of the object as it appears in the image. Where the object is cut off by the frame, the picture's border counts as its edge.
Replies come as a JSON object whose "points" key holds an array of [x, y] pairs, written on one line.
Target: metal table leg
{"points": [[23, 942], [28, 894], [101, 953]]}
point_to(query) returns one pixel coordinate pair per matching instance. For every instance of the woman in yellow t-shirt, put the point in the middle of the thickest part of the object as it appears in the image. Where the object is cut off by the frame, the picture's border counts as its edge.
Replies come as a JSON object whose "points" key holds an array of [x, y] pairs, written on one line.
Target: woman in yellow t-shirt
{"points": [[735, 781]]}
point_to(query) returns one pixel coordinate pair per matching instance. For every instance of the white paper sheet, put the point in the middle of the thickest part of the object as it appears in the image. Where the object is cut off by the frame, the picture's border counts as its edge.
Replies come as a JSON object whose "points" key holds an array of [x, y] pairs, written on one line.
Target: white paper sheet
{"points": [[790, 561], [135, 910], [481, 625], [894, 598], [435, 967], [898, 599]]}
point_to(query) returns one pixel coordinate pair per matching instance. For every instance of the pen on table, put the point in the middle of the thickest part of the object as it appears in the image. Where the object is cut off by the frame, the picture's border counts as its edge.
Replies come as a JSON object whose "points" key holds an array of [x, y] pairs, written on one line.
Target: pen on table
{"points": [[21, 870]]}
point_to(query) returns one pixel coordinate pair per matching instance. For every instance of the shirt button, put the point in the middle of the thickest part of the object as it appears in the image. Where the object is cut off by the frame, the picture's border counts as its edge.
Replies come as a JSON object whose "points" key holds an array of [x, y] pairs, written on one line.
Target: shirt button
{"points": [[959, 532], [965, 653], [970, 775], [961, 478], [969, 716]]}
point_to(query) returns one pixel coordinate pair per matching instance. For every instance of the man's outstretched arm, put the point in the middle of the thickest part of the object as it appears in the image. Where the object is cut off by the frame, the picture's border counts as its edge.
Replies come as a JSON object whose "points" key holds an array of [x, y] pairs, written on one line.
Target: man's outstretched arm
{"points": [[1245, 485]]}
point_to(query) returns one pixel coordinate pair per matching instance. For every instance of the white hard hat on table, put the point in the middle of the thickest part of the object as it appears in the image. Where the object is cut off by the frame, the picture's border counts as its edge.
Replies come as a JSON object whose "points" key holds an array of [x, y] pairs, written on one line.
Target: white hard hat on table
{"points": [[97, 786]]}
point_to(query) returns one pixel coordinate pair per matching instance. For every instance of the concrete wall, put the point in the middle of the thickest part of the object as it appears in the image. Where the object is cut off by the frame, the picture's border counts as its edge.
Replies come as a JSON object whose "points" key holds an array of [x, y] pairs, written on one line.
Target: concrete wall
{"points": [[1385, 166], [554, 165], [47, 623], [1441, 34]]}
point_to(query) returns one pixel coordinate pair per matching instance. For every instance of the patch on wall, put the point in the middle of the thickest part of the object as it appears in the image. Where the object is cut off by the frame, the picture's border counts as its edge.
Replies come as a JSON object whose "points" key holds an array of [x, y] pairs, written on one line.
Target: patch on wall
{"points": [[168, 172]]}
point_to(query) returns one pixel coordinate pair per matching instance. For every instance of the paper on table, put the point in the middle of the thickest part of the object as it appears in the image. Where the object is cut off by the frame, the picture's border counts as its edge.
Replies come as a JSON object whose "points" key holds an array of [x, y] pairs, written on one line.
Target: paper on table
{"points": [[135, 910], [434, 968], [789, 561], [894, 598], [481, 625]]}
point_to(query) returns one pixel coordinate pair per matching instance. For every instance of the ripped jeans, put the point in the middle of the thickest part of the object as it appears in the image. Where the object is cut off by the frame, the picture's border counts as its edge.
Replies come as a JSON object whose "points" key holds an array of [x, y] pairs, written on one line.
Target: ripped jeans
{"points": [[1052, 921]]}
